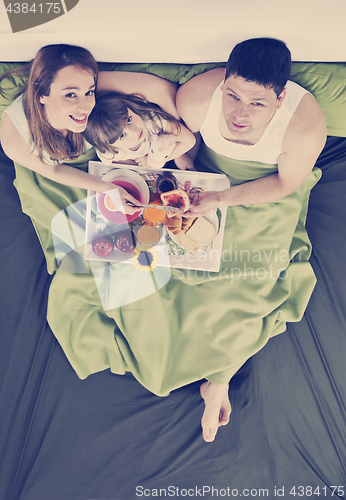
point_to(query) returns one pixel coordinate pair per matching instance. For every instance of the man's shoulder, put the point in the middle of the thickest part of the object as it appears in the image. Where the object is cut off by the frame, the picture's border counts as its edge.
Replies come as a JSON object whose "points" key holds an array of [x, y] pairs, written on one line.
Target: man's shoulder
{"points": [[307, 121], [194, 96], [305, 136]]}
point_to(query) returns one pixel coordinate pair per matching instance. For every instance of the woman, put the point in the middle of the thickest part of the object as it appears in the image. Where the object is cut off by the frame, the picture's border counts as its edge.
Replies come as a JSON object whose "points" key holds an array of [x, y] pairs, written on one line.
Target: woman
{"points": [[42, 128]]}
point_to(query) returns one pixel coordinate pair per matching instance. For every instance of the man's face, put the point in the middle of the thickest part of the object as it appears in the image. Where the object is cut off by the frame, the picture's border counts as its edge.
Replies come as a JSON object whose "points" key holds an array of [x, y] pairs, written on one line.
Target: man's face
{"points": [[247, 108]]}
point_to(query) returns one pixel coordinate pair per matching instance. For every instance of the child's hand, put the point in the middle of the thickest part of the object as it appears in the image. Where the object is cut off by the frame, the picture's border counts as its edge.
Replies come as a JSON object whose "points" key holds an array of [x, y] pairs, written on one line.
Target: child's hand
{"points": [[184, 162], [142, 162]]}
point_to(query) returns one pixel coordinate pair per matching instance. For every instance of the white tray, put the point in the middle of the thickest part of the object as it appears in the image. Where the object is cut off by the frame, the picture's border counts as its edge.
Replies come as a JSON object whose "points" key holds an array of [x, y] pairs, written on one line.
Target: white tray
{"points": [[169, 253]]}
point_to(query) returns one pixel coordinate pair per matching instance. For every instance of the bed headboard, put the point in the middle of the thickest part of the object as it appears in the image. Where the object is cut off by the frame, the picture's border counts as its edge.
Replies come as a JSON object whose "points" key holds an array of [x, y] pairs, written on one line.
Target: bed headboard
{"points": [[183, 31]]}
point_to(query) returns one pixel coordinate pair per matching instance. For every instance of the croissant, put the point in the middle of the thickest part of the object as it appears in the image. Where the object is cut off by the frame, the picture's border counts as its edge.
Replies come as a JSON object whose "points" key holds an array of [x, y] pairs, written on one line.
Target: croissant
{"points": [[174, 224], [187, 222]]}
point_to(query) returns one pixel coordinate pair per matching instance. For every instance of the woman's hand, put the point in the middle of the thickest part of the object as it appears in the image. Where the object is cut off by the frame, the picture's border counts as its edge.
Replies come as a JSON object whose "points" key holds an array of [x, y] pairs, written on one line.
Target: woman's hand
{"points": [[120, 197]]}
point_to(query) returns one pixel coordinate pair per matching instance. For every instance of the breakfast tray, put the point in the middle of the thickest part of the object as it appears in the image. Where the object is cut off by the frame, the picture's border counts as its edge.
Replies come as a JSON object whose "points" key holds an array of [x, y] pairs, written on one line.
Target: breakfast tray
{"points": [[167, 252]]}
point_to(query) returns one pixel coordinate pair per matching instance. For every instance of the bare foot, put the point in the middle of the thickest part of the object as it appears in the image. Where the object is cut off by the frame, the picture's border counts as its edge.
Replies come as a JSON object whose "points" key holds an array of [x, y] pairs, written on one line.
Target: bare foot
{"points": [[217, 408]]}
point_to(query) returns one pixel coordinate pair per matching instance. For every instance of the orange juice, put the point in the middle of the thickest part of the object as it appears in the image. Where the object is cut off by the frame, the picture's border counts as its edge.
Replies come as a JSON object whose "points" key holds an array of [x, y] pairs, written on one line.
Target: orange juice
{"points": [[154, 216]]}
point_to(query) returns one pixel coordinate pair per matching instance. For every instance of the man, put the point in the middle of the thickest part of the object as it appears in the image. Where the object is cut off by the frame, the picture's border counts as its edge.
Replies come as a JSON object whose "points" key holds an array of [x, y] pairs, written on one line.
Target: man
{"points": [[246, 98], [250, 111]]}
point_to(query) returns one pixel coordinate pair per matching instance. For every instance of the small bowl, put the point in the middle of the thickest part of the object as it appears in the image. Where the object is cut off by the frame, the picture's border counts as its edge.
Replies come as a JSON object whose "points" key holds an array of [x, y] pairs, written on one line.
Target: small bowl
{"points": [[148, 235], [166, 182], [154, 216], [134, 184]]}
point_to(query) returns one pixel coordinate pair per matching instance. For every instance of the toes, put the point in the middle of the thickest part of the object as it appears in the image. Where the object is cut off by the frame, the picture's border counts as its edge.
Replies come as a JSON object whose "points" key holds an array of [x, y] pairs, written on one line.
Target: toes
{"points": [[224, 420], [208, 435]]}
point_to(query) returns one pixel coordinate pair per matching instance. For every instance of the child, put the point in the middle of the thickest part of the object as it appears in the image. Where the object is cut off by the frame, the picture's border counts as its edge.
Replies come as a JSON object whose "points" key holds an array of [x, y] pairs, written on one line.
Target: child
{"points": [[125, 127]]}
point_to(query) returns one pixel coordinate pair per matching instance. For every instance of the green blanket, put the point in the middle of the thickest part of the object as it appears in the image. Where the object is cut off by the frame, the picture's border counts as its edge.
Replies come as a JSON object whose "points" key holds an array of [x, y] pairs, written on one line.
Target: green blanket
{"points": [[193, 324], [184, 325]]}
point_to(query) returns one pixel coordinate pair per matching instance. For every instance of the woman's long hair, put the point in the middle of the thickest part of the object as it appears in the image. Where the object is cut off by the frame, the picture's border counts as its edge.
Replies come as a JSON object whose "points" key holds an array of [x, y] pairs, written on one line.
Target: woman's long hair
{"points": [[41, 73], [109, 118]]}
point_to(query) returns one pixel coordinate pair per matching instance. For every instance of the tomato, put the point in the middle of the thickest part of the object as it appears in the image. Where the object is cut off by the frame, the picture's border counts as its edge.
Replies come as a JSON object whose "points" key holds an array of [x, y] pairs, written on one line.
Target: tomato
{"points": [[103, 246], [125, 241]]}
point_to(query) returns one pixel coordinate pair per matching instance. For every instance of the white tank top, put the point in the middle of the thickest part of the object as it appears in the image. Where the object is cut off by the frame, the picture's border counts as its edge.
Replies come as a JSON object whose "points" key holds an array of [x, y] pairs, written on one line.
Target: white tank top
{"points": [[268, 148], [16, 113]]}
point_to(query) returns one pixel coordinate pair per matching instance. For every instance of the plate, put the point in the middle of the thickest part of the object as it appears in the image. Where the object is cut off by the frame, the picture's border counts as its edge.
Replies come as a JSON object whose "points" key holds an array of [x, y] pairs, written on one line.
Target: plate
{"points": [[134, 184], [211, 217]]}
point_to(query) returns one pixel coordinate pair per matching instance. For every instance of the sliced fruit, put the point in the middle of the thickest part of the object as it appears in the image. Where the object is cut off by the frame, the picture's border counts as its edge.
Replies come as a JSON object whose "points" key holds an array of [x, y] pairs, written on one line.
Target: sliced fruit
{"points": [[109, 204]]}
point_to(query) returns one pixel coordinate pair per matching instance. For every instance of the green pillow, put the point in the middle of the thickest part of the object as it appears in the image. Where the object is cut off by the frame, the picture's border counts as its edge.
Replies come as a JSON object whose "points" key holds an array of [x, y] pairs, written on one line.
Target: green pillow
{"points": [[326, 82], [11, 86]]}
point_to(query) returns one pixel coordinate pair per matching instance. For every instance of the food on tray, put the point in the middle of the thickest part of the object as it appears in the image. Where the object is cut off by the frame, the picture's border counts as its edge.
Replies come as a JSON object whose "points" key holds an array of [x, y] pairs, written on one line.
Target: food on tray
{"points": [[177, 198], [154, 216], [201, 231], [125, 241], [191, 233], [103, 246], [109, 204], [174, 224], [148, 235], [187, 243], [187, 222], [166, 182], [108, 207]]}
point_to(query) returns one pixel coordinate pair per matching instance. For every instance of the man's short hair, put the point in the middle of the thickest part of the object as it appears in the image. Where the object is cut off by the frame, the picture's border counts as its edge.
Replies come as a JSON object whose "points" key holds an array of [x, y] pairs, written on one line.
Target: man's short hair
{"points": [[265, 61]]}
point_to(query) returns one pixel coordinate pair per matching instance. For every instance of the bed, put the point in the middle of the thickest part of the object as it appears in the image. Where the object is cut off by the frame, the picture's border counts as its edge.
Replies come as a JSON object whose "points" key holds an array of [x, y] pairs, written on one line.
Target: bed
{"points": [[106, 437]]}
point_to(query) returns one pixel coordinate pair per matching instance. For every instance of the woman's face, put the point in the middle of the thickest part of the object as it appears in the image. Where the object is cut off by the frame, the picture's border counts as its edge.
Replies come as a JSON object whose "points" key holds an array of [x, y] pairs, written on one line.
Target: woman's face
{"points": [[70, 100], [134, 133]]}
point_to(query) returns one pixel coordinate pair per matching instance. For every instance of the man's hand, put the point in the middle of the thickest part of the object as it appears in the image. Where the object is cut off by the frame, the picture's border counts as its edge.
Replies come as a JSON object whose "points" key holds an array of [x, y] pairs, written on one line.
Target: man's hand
{"points": [[202, 204]]}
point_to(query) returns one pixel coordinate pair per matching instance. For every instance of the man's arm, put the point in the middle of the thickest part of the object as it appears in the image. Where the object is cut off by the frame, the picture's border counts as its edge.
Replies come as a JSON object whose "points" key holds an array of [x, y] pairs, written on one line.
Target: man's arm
{"points": [[194, 96], [302, 144], [192, 102]]}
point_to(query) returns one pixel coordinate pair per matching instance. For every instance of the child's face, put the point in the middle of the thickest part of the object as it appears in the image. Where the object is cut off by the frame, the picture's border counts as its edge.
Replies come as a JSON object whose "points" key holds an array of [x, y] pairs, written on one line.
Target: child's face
{"points": [[134, 133]]}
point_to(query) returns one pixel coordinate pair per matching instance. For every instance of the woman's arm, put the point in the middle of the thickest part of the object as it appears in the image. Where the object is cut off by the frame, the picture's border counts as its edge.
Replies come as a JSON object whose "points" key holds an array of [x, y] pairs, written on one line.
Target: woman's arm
{"points": [[151, 87], [185, 141], [20, 152]]}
